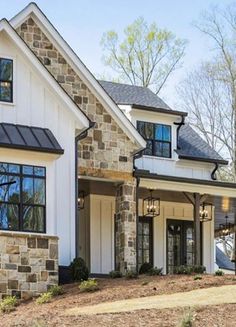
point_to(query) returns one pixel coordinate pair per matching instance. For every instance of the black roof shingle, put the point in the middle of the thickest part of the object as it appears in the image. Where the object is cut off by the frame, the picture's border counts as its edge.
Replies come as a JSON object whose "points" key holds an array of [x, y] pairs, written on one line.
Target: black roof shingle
{"points": [[28, 138]]}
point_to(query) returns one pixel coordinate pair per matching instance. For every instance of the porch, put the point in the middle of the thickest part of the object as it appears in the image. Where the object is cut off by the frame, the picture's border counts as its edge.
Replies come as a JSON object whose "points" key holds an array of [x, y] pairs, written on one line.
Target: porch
{"points": [[112, 232]]}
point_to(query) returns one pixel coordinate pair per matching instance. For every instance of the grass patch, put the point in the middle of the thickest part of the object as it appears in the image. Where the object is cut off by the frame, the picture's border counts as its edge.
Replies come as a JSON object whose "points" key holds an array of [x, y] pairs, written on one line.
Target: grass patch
{"points": [[44, 298], [197, 277], [8, 304], [56, 290], [187, 320], [90, 285]]}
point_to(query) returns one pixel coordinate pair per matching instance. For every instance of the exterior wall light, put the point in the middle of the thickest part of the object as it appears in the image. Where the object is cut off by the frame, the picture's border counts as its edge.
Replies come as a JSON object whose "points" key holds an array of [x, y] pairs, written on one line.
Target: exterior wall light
{"points": [[81, 200], [151, 206], [206, 212]]}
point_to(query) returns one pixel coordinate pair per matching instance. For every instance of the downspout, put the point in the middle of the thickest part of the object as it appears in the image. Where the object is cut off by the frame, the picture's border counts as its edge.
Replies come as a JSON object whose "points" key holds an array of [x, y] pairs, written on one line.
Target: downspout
{"points": [[137, 156], [179, 124], [213, 174], [78, 138]]}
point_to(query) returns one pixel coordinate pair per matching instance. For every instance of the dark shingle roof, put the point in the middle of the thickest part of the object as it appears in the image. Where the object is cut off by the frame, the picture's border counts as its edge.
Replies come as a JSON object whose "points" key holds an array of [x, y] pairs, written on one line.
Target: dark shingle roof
{"points": [[28, 138], [133, 95], [223, 261], [192, 145]]}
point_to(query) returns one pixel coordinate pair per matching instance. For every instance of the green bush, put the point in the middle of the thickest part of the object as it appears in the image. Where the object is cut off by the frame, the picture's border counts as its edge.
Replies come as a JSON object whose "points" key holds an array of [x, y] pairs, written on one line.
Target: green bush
{"points": [[145, 268], [115, 274], [183, 270], [44, 298], [130, 274], [199, 269], [197, 277], [56, 290], [8, 304], [219, 272], [90, 285], [155, 271], [188, 270], [79, 270]]}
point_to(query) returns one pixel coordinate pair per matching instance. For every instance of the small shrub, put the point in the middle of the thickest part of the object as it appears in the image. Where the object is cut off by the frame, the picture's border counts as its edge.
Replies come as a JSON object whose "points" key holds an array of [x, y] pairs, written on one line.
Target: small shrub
{"points": [[79, 270], [155, 271], [199, 269], [187, 319], [197, 277], [90, 285], [115, 274], [219, 272], [8, 304], [145, 268], [183, 270], [44, 298], [56, 290], [130, 274]]}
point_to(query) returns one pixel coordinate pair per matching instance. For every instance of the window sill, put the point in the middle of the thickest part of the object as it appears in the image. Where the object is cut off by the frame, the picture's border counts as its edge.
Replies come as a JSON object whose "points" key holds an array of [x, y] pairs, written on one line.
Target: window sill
{"points": [[26, 234], [10, 104]]}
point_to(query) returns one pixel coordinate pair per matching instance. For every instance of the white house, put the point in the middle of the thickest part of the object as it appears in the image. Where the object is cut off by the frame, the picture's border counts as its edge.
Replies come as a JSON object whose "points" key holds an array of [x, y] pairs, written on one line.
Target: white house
{"points": [[81, 158]]}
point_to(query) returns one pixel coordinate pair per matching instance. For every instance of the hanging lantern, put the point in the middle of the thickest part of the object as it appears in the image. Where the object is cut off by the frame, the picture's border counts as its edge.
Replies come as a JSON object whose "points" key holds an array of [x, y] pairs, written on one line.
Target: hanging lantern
{"points": [[225, 229], [206, 212], [81, 200], [151, 206]]}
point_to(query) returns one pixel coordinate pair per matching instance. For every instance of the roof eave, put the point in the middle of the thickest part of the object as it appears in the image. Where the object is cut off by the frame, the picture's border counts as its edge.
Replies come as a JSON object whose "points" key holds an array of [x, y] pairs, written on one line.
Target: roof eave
{"points": [[160, 110], [208, 160]]}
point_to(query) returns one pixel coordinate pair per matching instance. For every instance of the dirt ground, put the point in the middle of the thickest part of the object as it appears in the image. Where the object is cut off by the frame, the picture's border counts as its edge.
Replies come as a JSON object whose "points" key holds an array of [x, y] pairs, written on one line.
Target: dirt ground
{"points": [[53, 314]]}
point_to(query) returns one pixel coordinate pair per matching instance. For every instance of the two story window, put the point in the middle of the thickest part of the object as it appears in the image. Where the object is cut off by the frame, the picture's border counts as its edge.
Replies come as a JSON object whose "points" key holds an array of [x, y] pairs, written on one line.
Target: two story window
{"points": [[22, 198], [158, 137], [6, 80]]}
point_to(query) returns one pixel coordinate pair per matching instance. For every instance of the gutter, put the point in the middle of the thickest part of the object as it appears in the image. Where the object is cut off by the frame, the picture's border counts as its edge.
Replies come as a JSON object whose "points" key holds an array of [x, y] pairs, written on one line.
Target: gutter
{"points": [[78, 138], [179, 124]]}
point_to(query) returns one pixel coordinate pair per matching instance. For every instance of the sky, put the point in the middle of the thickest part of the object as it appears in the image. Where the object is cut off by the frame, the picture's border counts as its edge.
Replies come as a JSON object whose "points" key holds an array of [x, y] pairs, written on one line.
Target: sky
{"points": [[83, 22]]}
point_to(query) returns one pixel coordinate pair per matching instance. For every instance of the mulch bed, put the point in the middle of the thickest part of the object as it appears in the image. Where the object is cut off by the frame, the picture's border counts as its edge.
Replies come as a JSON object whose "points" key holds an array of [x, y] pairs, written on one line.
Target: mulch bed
{"points": [[52, 314]]}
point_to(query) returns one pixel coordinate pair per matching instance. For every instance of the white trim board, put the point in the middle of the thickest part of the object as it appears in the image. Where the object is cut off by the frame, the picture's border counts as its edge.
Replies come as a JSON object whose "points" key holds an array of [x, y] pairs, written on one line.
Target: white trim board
{"points": [[53, 35], [82, 122]]}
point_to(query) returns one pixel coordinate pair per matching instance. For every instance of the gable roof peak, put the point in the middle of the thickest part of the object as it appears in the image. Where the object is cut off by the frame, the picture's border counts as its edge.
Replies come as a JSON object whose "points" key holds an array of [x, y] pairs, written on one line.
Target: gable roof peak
{"points": [[79, 67]]}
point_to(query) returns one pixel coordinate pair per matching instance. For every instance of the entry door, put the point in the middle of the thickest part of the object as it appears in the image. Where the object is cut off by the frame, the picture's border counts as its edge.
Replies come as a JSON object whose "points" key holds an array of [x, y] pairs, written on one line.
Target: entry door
{"points": [[145, 241], [180, 244]]}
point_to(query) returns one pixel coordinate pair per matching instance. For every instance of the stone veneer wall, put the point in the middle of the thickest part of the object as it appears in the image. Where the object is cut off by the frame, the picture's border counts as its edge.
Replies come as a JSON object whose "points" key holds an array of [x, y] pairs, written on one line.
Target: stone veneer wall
{"points": [[28, 264], [107, 147], [126, 227]]}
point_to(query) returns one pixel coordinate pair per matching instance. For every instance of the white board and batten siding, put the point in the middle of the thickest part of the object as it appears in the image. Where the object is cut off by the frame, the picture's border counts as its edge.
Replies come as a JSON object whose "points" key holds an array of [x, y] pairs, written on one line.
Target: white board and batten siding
{"points": [[102, 209], [36, 104]]}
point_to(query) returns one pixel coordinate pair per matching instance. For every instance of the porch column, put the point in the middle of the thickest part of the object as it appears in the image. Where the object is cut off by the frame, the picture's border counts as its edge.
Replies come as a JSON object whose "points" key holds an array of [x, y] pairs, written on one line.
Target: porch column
{"points": [[197, 230], [125, 235]]}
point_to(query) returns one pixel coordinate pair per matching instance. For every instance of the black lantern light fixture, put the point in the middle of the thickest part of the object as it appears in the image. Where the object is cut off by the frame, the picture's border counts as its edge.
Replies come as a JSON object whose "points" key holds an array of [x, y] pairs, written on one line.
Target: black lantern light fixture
{"points": [[206, 212], [151, 206], [81, 200], [225, 229]]}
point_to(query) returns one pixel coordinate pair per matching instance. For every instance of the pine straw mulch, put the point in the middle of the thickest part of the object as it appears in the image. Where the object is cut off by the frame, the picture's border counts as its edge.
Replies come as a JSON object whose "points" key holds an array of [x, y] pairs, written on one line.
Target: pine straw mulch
{"points": [[52, 314]]}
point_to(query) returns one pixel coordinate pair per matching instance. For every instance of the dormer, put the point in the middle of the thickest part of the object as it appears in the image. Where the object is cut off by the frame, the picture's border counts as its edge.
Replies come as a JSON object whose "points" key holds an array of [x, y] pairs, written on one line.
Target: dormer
{"points": [[173, 147]]}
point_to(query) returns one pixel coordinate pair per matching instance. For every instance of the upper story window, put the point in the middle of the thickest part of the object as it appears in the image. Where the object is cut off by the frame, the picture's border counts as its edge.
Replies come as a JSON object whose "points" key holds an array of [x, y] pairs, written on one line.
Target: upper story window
{"points": [[22, 198], [6, 80], [158, 137]]}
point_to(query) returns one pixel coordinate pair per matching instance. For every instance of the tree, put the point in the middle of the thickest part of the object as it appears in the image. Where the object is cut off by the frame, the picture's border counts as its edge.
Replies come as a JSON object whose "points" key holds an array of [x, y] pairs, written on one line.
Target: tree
{"points": [[147, 56], [213, 85], [208, 102]]}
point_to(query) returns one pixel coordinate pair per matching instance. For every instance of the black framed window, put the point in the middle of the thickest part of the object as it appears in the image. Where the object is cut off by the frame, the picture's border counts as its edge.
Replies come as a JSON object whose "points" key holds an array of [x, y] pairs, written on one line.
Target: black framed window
{"points": [[158, 137], [22, 198], [6, 80]]}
